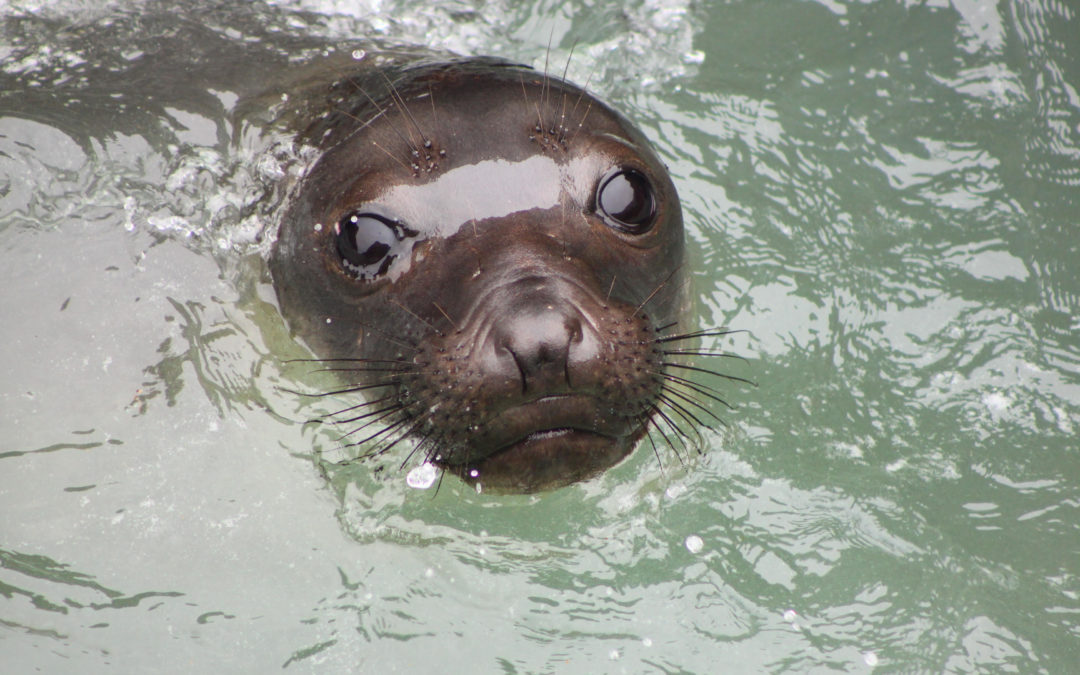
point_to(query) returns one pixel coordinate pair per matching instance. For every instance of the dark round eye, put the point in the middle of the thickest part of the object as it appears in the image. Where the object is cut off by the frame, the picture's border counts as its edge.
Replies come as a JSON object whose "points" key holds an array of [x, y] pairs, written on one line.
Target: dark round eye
{"points": [[626, 202], [368, 243]]}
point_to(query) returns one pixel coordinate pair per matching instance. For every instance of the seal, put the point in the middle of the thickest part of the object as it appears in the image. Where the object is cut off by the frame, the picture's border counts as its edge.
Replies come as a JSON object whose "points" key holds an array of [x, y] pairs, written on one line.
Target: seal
{"points": [[493, 254]]}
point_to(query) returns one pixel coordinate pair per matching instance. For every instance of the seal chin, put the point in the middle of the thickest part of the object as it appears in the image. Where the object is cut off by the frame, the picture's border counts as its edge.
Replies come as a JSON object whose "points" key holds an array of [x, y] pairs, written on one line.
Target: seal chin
{"points": [[547, 459]]}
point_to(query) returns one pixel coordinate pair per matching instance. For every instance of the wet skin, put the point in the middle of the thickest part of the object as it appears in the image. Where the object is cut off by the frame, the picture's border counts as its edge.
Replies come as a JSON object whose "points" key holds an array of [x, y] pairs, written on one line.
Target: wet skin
{"points": [[490, 253]]}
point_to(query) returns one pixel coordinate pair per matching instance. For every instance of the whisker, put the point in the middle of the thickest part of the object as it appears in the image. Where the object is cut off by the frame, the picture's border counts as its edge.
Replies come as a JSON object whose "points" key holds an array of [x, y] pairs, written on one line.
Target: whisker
{"points": [[733, 378], [376, 434], [709, 332], [364, 404], [656, 290], [344, 360], [703, 352], [688, 417], [418, 317], [697, 404], [680, 433], [645, 422], [388, 409], [698, 388], [338, 392], [379, 451]]}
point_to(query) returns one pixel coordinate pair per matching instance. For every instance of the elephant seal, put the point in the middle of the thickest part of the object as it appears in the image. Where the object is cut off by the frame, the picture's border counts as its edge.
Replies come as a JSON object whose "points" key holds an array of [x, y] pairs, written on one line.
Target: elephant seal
{"points": [[493, 254]]}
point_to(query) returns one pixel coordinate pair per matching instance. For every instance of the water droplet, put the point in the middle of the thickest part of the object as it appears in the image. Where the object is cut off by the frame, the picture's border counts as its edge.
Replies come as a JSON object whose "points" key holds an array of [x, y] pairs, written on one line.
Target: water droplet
{"points": [[694, 544], [422, 477]]}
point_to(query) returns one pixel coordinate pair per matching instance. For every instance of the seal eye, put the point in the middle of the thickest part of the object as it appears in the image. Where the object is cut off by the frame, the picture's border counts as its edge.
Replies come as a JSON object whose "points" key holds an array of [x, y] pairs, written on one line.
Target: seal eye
{"points": [[625, 200], [367, 243]]}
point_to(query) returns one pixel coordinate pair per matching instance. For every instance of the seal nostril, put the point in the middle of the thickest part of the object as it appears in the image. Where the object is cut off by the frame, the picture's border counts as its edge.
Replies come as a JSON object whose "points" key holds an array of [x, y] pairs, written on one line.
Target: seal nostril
{"points": [[540, 342]]}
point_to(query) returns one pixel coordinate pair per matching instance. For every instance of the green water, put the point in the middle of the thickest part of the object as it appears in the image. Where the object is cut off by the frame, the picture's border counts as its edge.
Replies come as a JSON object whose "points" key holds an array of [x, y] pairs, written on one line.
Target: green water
{"points": [[885, 196]]}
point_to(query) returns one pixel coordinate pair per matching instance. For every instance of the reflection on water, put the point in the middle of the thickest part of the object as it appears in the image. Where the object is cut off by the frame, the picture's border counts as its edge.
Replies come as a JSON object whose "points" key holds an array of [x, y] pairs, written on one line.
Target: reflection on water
{"points": [[883, 195]]}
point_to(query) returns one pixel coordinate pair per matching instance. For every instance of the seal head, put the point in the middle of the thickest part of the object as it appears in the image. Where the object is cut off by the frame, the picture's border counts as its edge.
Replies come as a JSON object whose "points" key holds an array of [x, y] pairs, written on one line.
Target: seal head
{"points": [[491, 251]]}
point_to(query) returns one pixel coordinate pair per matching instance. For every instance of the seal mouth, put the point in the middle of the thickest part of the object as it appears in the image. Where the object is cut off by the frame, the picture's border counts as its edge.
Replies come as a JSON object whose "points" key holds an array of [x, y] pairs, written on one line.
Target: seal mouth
{"points": [[548, 420], [551, 441], [538, 441]]}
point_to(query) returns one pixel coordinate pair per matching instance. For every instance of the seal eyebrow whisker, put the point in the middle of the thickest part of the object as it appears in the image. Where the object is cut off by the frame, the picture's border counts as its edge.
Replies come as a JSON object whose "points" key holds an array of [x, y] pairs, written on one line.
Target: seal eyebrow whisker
{"points": [[582, 93], [581, 122], [536, 105], [562, 104], [607, 298], [403, 107], [391, 155], [547, 79], [382, 111]]}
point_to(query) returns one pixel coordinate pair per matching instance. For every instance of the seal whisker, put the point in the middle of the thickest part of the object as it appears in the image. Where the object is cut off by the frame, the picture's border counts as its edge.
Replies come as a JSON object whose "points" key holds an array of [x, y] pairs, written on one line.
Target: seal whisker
{"points": [[708, 332], [405, 368], [443, 312], [670, 391], [375, 435], [391, 156], [698, 388], [689, 417], [679, 433], [733, 378], [380, 112], [581, 122], [666, 326], [417, 317], [388, 409], [390, 443], [562, 104], [547, 79], [336, 392], [646, 420], [363, 404], [702, 352], [403, 107], [656, 290]]}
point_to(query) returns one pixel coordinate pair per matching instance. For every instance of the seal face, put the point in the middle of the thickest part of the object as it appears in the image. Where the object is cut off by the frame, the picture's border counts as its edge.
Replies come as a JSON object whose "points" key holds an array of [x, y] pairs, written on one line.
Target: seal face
{"points": [[492, 251]]}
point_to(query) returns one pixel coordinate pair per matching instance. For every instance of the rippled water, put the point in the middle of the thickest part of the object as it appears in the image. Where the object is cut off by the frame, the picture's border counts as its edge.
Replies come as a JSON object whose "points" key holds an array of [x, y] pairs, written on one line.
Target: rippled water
{"points": [[884, 195]]}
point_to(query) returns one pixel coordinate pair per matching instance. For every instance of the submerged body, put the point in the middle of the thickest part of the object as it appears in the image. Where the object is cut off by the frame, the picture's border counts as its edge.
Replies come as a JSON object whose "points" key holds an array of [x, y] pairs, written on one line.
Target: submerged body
{"points": [[492, 253]]}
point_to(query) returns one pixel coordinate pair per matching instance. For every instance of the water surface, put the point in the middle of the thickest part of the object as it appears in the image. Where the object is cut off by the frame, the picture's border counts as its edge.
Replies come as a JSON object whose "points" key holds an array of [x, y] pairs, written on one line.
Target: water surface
{"points": [[883, 195]]}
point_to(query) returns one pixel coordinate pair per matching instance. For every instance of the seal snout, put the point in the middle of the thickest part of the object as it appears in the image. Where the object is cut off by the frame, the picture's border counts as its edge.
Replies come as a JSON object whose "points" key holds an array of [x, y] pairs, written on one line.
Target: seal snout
{"points": [[544, 339]]}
